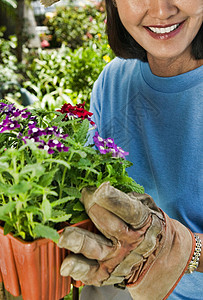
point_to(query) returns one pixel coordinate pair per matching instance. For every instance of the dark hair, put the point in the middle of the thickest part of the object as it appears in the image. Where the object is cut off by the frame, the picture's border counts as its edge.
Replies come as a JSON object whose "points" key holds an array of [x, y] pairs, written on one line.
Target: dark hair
{"points": [[124, 45]]}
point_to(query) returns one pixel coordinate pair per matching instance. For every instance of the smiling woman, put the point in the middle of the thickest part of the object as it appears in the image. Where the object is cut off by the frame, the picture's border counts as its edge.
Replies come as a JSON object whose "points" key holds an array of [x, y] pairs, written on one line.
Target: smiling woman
{"points": [[149, 100], [157, 30]]}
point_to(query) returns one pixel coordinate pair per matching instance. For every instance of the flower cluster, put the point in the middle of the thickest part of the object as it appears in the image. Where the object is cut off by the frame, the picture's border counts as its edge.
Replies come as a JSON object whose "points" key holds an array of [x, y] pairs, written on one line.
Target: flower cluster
{"points": [[34, 134], [108, 146], [13, 123], [77, 111], [50, 138], [12, 115], [45, 163]]}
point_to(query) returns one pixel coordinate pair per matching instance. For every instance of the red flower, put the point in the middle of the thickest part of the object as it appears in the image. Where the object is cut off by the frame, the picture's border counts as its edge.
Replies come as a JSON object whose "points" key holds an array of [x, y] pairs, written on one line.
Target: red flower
{"points": [[77, 111], [45, 44]]}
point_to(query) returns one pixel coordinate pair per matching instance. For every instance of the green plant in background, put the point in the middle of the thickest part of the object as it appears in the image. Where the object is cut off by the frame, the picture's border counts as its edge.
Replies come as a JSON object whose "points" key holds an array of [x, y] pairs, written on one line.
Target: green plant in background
{"points": [[68, 73], [8, 60], [74, 26], [85, 66], [9, 3], [46, 77], [44, 165], [10, 69], [56, 76]]}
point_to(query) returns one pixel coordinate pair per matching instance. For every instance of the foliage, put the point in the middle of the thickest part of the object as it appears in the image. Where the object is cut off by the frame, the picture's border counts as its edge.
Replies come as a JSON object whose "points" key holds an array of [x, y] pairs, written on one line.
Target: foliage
{"points": [[9, 3], [56, 76], [9, 68], [74, 26], [61, 75], [8, 61], [44, 165]]}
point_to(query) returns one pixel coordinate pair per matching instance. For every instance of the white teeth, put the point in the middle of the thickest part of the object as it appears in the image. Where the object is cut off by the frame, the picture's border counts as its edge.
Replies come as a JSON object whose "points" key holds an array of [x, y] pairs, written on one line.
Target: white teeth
{"points": [[163, 30]]}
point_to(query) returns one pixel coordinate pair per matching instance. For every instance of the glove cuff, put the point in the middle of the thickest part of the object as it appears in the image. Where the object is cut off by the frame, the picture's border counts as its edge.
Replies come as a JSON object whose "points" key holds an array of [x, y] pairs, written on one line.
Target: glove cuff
{"points": [[172, 259]]}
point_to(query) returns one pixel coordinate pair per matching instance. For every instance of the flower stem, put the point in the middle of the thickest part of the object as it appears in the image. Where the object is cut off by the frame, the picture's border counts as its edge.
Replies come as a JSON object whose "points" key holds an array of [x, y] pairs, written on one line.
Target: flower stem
{"points": [[62, 182]]}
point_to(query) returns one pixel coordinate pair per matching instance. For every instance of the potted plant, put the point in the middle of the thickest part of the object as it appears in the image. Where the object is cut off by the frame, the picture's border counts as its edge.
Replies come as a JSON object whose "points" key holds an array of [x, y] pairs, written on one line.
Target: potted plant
{"points": [[45, 162]]}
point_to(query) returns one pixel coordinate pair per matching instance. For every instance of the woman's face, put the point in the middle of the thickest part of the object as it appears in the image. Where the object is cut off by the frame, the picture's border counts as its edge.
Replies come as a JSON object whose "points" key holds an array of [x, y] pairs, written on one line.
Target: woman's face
{"points": [[164, 28]]}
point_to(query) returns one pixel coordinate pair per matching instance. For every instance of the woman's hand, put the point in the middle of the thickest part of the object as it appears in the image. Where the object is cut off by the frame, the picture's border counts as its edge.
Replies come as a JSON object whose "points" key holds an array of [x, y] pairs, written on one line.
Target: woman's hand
{"points": [[138, 245]]}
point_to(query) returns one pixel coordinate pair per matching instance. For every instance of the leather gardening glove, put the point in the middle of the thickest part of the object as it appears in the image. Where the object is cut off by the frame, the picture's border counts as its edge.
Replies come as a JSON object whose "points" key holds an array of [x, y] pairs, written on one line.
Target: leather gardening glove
{"points": [[140, 246]]}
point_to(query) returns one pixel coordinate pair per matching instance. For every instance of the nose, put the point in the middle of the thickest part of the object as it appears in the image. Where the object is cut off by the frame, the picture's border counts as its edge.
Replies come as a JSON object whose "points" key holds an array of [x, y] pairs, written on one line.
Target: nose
{"points": [[162, 9]]}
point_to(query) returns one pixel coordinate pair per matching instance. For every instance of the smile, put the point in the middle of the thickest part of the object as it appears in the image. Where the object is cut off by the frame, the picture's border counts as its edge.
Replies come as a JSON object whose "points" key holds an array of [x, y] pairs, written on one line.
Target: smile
{"points": [[163, 30]]}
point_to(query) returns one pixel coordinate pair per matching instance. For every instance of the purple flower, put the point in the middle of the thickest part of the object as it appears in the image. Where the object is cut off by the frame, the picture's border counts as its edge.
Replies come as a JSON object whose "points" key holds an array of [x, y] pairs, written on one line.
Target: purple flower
{"points": [[98, 140], [10, 110], [32, 124], [8, 124], [52, 145], [35, 131], [51, 130], [7, 109], [25, 113], [47, 148], [103, 150], [62, 136], [121, 153], [108, 146], [33, 139], [16, 113], [61, 147], [2, 105], [33, 118]]}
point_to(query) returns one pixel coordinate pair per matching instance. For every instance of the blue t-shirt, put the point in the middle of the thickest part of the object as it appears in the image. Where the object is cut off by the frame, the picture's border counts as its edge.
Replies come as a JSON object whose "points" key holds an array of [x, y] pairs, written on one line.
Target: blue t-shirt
{"points": [[159, 121]]}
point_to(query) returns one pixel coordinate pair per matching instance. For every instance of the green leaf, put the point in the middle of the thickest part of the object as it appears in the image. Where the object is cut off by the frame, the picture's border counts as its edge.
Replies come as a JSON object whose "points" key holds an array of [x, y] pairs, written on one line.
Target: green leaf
{"points": [[78, 206], [7, 228], [6, 209], [61, 201], [82, 132], [33, 209], [84, 162], [29, 144], [35, 169], [110, 169], [91, 151], [73, 191], [40, 190], [60, 216], [44, 231], [47, 178], [57, 120], [80, 152], [79, 218], [22, 234], [99, 176], [4, 166], [46, 209], [60, 162], [89, 169], [17, 189]]}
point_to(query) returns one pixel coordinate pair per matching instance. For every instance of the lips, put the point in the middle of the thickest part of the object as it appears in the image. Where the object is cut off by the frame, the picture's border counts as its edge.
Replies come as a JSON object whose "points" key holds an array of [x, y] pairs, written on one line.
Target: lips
{"points": [[164, 32]]}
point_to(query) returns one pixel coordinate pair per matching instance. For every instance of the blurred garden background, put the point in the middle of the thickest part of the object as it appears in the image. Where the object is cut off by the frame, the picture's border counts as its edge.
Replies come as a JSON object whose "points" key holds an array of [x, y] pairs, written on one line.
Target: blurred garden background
{"points": [[49, 56]]}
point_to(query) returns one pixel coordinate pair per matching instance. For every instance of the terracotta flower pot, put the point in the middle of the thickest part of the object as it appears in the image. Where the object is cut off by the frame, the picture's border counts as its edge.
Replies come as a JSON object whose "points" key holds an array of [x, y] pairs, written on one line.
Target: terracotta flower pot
{"points": [[31, 269]]}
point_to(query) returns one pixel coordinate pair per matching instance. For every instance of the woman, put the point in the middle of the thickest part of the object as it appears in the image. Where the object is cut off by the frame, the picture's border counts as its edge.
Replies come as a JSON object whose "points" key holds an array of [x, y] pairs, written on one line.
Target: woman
{"points": [[149, 99]]}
